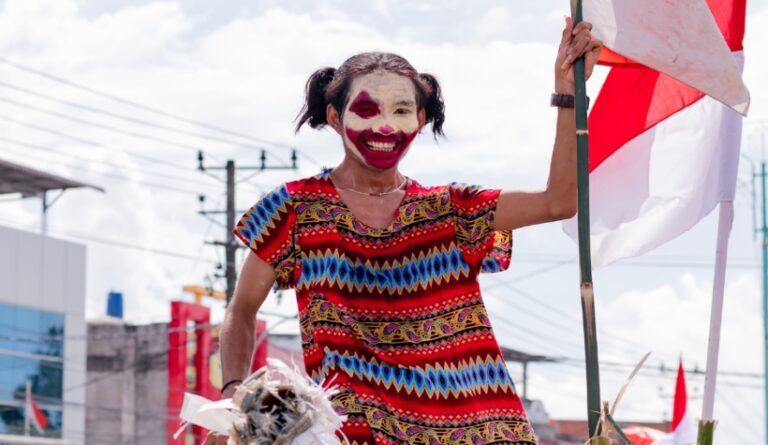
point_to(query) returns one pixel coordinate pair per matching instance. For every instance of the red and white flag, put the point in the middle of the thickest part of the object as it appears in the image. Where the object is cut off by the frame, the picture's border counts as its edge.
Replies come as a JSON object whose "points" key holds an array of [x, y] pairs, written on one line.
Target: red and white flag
{"points": [[33, 414], [682, 430], [664, 148]]}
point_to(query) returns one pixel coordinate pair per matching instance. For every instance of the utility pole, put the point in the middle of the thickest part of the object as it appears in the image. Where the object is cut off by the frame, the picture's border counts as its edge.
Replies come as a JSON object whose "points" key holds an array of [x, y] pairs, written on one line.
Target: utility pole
{"points": [[765, 294], [231, 247], [764, 231], [230, 244]]}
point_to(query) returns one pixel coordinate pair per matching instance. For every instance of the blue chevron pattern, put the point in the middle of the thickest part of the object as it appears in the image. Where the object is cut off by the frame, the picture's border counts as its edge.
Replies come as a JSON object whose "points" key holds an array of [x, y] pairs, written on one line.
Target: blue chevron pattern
{"points": [[333, 268], [463, 187], [465, 378], [261, 218], [491, 264]]}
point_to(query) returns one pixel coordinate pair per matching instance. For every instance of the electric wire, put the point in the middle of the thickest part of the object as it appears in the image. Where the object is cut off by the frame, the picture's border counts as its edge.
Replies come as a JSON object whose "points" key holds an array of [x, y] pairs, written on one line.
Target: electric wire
{"points": [[737, 412], [94, 144], [117, 177], [127, 118], [101, 126], [114, 243], [140, 106], [98, 162]]}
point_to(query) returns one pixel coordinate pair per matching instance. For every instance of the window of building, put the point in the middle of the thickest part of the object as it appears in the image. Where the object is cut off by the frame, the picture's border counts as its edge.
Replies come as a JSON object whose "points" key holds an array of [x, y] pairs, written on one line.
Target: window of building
{"points": [[31, 350]]}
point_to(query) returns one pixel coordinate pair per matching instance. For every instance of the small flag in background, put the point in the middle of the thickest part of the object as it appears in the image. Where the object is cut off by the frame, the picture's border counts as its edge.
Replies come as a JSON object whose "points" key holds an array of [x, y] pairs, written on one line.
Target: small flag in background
{"points": [[682, 430], [33, 414], [662, 154]]}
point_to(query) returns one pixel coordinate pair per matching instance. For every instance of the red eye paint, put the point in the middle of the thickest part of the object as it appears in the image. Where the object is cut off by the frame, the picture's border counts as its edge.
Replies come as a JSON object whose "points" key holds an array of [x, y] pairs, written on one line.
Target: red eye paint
{"points": [[364, 106]]}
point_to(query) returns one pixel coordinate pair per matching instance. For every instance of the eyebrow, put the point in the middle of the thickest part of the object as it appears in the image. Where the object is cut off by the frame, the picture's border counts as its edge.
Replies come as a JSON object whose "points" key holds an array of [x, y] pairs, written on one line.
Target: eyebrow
{"points": [[406, 103]]}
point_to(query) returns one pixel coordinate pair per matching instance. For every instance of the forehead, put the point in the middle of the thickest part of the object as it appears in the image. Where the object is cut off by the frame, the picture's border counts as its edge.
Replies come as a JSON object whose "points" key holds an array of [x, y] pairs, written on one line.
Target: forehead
{"points": [[383, 87]]}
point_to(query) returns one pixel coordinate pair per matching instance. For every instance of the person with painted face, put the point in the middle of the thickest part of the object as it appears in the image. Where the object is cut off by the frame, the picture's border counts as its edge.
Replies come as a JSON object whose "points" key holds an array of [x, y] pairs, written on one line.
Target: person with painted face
{"points": [[386, 269]]}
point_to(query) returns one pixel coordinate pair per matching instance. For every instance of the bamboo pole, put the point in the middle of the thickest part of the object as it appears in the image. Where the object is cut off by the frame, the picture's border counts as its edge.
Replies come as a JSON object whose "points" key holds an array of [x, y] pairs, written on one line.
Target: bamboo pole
{"points": [[585, 260], [706, 432]]}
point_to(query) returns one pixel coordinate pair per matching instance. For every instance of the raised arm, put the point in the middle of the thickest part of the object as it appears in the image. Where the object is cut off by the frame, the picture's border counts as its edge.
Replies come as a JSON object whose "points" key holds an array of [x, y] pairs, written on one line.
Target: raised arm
{"points": [[557, 201]]}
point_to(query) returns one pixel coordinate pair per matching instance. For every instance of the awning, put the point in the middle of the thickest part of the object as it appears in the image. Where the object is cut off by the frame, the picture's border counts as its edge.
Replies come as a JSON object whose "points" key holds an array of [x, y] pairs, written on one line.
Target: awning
{"points": [[16, 178]]}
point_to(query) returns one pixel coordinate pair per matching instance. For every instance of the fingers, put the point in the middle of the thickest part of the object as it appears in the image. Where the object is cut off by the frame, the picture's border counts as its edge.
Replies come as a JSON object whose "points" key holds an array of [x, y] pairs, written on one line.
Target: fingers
{"points": [[215, 439], [567, 32], [592, 54], [580, 42]]}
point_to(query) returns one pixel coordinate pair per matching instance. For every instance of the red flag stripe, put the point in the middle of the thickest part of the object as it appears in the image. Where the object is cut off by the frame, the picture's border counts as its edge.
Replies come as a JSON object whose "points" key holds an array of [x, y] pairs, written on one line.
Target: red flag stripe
{"points": [[730, 16], [633, 99], [681, 398], [39, 417]]}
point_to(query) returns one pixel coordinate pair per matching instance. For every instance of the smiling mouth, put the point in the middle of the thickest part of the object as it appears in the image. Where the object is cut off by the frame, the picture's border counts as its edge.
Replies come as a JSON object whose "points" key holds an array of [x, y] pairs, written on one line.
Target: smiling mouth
{"points": [[381, 146]]}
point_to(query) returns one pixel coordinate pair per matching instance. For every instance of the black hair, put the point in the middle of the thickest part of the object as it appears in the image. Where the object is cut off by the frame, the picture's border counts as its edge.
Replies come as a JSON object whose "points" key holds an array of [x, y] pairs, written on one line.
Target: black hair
{"points": [[331, 86]]}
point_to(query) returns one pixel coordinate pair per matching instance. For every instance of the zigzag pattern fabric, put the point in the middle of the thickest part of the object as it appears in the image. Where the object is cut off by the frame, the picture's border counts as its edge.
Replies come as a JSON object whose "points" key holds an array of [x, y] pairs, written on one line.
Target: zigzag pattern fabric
{"points": [[429, 268], [263, 218], [393, 315], [468, 378]]}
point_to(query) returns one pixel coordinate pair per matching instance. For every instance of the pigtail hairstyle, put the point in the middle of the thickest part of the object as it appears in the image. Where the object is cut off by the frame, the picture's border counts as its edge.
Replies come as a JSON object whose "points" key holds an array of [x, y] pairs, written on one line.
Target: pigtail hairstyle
{"points": [[331, 86], [315, 102], [434, 107]]}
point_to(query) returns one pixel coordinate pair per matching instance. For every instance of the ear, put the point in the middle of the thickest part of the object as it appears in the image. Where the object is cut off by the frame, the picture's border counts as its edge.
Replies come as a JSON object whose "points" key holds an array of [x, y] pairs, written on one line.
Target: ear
{"points": [[422, 118], [333, 118]]}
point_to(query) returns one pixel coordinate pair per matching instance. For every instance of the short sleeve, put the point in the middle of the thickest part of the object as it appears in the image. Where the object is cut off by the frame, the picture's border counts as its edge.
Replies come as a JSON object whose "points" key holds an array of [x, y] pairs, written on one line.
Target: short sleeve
{"points": [[268, 229], [486, 249]]}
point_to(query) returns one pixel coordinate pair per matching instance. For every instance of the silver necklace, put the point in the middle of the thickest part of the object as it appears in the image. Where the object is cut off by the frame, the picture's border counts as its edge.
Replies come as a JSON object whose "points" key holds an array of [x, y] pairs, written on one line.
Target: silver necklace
{"points": [[376, 194]]}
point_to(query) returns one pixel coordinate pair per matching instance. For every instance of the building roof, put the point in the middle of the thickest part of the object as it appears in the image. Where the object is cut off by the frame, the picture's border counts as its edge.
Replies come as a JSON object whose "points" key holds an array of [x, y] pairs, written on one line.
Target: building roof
{"points": [[15, 178]]}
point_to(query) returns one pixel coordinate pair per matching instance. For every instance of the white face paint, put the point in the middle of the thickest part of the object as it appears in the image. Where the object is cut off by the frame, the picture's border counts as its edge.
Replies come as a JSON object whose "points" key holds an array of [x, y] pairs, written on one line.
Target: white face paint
{"points": [[381, 118]]}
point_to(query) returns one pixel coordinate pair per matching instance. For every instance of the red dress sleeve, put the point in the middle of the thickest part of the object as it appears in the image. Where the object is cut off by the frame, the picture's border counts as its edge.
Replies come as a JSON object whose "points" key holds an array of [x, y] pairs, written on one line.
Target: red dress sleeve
{"points": [[268, 230], [484, 249]]}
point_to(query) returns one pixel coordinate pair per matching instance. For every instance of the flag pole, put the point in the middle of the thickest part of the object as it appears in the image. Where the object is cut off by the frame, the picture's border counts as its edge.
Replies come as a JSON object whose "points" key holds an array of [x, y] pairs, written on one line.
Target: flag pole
{"points": [[27, 397], [707, 422], [585, 260]]}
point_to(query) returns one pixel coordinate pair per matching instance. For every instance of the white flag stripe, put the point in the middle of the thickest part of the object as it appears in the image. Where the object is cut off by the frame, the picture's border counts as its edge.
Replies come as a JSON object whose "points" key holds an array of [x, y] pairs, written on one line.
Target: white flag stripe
{"points": [[660, 184], [677, 37], [684, 434]]}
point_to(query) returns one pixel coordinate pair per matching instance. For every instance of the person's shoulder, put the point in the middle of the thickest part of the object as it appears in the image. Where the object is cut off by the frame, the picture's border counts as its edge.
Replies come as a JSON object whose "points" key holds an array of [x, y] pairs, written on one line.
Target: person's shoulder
{"points": [[421, 189], [308, 186], [451, 189]]}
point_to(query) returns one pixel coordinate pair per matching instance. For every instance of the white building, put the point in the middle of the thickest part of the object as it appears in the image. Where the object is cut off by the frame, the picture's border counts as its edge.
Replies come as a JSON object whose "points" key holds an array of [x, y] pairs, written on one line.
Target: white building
{"points": [[42, 322]]}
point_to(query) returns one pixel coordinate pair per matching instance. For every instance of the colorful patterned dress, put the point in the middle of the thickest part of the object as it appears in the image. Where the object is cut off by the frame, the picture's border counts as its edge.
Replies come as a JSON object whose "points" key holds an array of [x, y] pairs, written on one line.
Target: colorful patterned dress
{"points": [[394, 315]]}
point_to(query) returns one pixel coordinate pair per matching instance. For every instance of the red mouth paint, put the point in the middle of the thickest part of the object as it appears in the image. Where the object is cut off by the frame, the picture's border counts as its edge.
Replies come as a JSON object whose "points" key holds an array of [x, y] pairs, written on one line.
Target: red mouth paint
{"points": [[381, 160]]}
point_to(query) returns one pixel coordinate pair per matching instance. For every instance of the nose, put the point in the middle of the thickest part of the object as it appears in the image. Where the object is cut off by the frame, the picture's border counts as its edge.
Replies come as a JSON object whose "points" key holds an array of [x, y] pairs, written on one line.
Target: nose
{"points": [[385, 130]]}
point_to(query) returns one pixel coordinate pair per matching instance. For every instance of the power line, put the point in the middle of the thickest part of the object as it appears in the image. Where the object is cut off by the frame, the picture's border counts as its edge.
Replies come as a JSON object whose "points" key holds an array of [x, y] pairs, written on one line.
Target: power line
{"points": [[119, 177], [116, 243], [140, 106], [735, 409], [127, 117], [609, 336], [90, 161], [646, 261], [92, 143], [100, 126]]}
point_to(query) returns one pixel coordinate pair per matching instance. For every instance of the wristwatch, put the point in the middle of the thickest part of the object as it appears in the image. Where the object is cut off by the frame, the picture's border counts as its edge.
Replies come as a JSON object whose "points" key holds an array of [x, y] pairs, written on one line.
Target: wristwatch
{"points": [[564, 100]]}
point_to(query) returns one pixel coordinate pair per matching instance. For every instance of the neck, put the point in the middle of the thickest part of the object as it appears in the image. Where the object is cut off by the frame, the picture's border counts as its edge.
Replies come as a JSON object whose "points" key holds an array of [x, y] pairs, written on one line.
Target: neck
{"points": [[350, 174]]}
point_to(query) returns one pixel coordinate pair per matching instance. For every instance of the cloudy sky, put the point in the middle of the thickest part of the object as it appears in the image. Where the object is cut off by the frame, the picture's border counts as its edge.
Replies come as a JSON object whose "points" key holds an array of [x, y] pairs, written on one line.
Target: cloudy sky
{"points": [[121, 94]]}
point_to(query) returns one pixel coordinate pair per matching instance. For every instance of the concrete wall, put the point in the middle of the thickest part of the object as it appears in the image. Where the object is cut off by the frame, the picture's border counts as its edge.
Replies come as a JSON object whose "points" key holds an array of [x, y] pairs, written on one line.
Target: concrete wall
{"points": [[45, 273], [128, 366]]}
